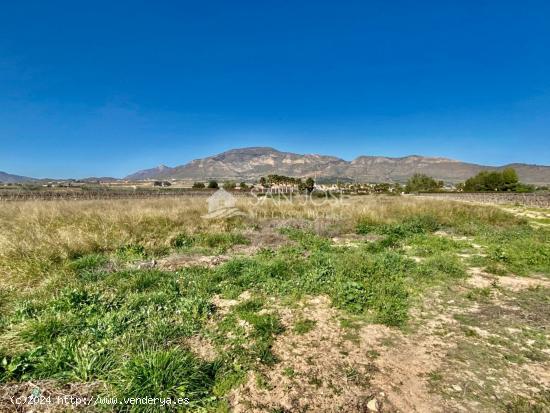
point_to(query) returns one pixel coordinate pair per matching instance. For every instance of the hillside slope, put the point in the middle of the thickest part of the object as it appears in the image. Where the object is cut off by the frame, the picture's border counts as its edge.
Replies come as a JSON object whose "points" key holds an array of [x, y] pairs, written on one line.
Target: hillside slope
{"points": [[12, 179], [252, 163]]}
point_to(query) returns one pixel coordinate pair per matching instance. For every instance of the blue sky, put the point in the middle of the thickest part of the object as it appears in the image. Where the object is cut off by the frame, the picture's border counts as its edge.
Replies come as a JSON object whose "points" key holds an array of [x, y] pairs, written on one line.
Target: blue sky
{"points": [[107, 88]]}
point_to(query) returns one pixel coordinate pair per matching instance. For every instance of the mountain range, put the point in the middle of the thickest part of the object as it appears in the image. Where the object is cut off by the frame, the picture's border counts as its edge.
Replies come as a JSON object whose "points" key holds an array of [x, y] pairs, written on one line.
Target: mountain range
{"points": [[12, 179], [249, 164], [252, 163]]}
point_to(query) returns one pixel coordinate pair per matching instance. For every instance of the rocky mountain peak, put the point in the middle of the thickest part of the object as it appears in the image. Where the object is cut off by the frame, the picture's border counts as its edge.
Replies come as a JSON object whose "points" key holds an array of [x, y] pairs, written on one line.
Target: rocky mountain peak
{"points": [[253, 162]]}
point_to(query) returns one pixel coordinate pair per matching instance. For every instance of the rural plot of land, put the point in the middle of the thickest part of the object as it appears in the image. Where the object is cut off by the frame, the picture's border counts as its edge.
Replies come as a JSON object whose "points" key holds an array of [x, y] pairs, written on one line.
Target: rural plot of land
{"points": [[369, 304]]}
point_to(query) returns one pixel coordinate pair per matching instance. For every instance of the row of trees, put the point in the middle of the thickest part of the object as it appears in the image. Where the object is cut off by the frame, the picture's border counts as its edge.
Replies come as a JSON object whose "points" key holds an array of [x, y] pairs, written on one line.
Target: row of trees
{"points": [[266, 182], [270, 180], [486, 181], [274, 179], [214, 185]]}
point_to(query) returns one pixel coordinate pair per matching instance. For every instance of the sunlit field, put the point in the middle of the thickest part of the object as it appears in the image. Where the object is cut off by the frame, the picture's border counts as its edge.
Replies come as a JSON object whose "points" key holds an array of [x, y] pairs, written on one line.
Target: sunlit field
{"points": [[387, 303]]}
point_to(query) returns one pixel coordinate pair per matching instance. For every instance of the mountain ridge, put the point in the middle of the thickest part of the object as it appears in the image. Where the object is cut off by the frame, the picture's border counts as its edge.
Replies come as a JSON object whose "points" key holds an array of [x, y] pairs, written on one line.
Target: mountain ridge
{"points": [[14, 179], [253, 162]]}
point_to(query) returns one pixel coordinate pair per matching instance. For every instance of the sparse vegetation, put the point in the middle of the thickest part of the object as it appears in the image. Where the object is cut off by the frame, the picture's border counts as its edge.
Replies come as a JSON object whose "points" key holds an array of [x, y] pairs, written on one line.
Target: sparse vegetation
{"points": [[304, 326], [81, 302]]}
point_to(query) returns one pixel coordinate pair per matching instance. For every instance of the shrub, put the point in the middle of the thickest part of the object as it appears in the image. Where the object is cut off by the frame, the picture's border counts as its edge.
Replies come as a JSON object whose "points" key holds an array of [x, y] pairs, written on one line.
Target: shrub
{"points": [[88, 262], [417, 224], [182, 240], [229, 185], [130, 252], [220, 240], [351, 296]]}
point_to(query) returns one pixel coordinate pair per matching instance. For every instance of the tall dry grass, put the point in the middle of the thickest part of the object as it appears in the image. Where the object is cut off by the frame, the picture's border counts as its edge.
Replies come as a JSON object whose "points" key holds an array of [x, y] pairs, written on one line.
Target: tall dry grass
{"points": [[378, 209], [37, 236]]}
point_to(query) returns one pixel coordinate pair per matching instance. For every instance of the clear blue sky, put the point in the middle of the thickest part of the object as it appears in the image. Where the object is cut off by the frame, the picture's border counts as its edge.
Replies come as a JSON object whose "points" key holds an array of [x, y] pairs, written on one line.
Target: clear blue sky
{"points": [[109, 87]]}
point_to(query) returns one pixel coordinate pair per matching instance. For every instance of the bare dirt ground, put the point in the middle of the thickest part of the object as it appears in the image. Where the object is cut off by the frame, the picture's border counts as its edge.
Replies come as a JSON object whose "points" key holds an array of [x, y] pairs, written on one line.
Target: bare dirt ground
{"points": [[457, 356], [369, 367], [481, 279], [329, 368]]}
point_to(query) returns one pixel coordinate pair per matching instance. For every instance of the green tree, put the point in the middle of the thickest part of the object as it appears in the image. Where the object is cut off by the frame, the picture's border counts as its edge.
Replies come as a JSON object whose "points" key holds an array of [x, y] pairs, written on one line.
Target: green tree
{"points": [[505, 180], [476, 183], [309, 185], [510, 179], [213, 185], [243, 186], [198, 185], [422, 183], [382, 188]]}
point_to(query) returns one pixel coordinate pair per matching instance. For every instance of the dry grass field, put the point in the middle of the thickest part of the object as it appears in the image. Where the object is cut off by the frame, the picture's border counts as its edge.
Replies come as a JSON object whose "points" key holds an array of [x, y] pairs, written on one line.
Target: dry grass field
{"points": [[375, 303]]}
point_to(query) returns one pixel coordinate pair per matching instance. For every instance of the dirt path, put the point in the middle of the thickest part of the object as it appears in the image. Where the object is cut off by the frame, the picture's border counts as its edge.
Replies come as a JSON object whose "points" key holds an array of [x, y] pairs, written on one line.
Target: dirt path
{"points": [[536, 216]]}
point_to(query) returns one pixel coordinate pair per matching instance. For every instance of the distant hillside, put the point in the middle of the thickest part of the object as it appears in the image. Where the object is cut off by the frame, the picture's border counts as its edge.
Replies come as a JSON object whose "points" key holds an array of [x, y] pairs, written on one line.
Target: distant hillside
{"points": [[13, 179], [249, 163], [252, 163], [152, 173]]}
